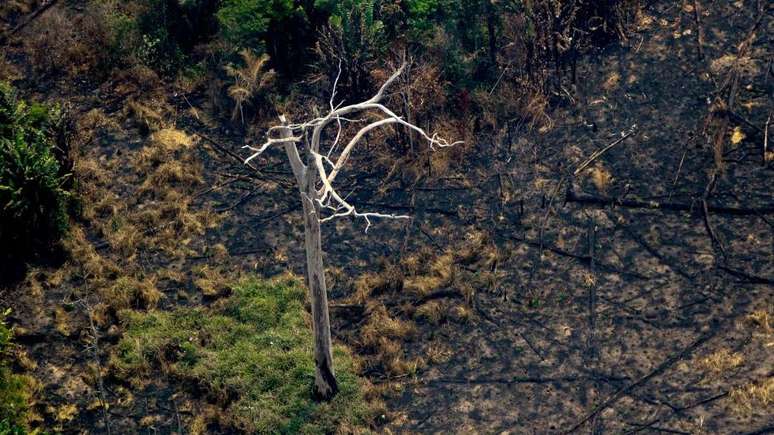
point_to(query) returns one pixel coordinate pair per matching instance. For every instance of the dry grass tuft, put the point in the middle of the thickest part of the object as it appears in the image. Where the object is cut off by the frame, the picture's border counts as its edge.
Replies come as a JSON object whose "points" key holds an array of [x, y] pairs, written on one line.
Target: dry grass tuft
{"points": [[381, 325], [213, 282], [172, 139], [147, 118], [124, 237], [600, 177], [369, 284], [382, 336], [128, 292], [762, 320], [752, 397], [439, 275], [721, 361], [438, 352], [433, 312]]}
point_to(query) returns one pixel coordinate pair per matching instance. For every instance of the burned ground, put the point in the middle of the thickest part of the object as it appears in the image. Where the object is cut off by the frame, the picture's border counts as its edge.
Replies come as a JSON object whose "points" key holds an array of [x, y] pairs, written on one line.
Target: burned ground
{"points": [[505, 304]]}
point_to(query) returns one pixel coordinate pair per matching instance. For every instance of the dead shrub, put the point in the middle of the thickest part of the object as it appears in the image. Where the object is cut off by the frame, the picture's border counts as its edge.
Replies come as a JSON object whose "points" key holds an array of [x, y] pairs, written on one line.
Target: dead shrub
{"points": [[61, 41]]}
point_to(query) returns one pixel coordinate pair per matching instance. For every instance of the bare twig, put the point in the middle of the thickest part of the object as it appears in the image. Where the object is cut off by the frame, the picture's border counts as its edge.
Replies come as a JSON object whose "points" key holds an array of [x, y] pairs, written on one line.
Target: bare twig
{"points": [[615, 397], [705, 208], [699, 30], [766, 140], [596, 154], [103, 402]]}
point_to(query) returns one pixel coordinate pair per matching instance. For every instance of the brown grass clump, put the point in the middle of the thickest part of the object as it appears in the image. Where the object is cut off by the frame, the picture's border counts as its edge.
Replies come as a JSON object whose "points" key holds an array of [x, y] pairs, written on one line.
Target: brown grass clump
{"points": [[382, 336], [721, 361], [128, 292], [753, 397], [382, 325], [600, 177], [762, 320], [171, 139], [212, 281], [89, 264], [440, 274], [433, 312], [172, 173], [167, 161], [124, 237], [164, 146], [146, 117], [369, 284]]}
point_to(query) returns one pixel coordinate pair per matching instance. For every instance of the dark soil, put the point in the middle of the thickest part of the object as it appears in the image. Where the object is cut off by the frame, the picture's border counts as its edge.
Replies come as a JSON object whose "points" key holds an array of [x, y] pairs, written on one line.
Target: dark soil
{"points": [[598, 318]]}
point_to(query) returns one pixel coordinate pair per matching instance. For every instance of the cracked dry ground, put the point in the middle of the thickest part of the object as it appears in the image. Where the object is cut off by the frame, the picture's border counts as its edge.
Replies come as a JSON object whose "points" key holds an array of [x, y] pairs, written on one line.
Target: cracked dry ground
{"points": [[545, 315]]}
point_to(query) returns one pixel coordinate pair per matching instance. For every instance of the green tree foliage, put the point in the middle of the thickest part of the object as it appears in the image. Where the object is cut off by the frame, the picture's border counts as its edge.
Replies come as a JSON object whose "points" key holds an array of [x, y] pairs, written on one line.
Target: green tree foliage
{"points": [[283, 29], [245, 23], [33, 201]]}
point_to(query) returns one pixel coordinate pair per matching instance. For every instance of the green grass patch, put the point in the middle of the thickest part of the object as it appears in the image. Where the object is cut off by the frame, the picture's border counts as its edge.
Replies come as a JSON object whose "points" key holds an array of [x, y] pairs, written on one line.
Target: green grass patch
{"points": [[252, 355], [15, 395]]}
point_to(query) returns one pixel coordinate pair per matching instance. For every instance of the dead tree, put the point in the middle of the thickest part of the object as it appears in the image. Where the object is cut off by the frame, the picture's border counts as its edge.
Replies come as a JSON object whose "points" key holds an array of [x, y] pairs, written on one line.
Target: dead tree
{"points": [[322, 201]]}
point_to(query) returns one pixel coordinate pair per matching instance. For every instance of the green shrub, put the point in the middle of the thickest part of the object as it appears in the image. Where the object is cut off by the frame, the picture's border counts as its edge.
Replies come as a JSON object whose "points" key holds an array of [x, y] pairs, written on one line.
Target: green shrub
{"points": [[33, 200], [14, 389], [286, 30], [245, 23], [252, 354]]}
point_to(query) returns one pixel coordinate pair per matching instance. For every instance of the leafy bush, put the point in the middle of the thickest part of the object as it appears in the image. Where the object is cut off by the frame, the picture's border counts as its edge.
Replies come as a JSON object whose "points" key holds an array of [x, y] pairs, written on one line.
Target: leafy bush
{"points": [[14, 389], [32, 196], [252, 354], [283, 29], [245, 23]]}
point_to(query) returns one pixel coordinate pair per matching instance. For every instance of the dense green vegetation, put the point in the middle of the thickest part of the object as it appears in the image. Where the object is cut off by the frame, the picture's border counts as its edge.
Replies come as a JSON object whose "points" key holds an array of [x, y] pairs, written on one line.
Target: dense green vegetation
{"points": [[465, 37], [33, 200], [251, 354]]}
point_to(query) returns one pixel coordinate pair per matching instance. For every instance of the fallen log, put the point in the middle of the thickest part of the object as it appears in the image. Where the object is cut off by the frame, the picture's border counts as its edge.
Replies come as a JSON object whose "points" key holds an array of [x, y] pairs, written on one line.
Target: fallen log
{"points": [[604, 201]]}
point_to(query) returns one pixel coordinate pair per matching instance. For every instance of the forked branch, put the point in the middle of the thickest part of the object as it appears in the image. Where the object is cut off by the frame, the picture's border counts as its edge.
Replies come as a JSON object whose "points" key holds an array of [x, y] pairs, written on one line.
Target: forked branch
{"points": [[325, 165]]}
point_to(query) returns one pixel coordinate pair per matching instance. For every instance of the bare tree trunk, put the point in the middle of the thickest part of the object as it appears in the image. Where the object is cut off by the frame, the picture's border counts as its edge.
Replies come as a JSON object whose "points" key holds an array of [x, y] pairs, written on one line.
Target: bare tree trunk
{"points": [[325, 386], [327, 198]]}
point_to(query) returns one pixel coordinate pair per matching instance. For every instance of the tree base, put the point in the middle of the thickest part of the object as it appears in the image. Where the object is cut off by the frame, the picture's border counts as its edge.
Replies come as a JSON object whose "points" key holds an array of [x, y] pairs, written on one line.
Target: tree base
{"points": [[325, 386]]}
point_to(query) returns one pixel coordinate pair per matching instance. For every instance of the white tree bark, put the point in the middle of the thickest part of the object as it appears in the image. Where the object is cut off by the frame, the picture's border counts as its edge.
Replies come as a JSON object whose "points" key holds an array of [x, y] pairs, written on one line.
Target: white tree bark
{"points": [[318, 195]]}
